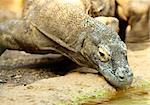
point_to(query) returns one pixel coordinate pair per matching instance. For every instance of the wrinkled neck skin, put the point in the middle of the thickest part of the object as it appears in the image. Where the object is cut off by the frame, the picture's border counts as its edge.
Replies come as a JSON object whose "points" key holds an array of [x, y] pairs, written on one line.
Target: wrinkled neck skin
{"points": [[114, 65]]}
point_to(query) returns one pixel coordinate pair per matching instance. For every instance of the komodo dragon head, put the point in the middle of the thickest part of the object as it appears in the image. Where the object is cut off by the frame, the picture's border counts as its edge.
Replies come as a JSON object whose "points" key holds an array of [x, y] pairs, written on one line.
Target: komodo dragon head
{"points": [[104, 48]]}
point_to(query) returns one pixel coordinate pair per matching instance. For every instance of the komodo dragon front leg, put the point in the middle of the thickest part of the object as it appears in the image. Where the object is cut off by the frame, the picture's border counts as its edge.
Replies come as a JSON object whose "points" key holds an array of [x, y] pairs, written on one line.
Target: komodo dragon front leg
{"points": [[72, 33]]}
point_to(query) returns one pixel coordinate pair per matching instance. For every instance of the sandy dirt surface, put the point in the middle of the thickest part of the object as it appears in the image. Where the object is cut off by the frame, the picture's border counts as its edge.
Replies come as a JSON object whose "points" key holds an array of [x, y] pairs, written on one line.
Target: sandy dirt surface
{"points": [[73, 88], [69, 89], [139, 58]]}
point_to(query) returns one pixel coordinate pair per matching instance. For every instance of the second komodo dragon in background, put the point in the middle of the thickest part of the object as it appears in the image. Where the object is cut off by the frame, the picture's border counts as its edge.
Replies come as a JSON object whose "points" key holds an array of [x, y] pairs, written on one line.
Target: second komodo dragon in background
{"points": [[59, 26]]}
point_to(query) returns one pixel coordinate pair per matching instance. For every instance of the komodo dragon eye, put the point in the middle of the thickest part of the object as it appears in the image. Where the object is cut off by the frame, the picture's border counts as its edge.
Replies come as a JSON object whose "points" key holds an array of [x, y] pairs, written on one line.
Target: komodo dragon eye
{"points": [[104, 54]]}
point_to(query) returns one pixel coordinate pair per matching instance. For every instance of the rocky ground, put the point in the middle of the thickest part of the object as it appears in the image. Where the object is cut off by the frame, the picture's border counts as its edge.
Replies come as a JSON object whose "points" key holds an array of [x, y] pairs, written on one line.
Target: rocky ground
{"points": [[43, 87]]}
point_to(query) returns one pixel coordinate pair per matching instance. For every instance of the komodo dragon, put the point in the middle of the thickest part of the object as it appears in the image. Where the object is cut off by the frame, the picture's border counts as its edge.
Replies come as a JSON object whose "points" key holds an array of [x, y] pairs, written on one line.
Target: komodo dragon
{"points": [[59, 26]]}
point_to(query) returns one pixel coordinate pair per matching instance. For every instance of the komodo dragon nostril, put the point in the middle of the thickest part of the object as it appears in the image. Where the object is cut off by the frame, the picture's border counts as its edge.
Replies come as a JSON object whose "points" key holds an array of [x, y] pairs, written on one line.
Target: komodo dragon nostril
{"points": [[120, 74], [101, 54]]}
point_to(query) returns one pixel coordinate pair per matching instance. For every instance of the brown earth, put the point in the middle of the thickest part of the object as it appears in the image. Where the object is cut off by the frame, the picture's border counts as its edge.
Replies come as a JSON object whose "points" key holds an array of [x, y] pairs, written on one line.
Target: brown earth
{"points": [[139, 58]]}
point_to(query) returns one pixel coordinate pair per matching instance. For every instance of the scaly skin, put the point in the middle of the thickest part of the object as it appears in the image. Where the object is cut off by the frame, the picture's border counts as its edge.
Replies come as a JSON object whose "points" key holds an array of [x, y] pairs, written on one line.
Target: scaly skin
{"points": [[59, 26]]}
